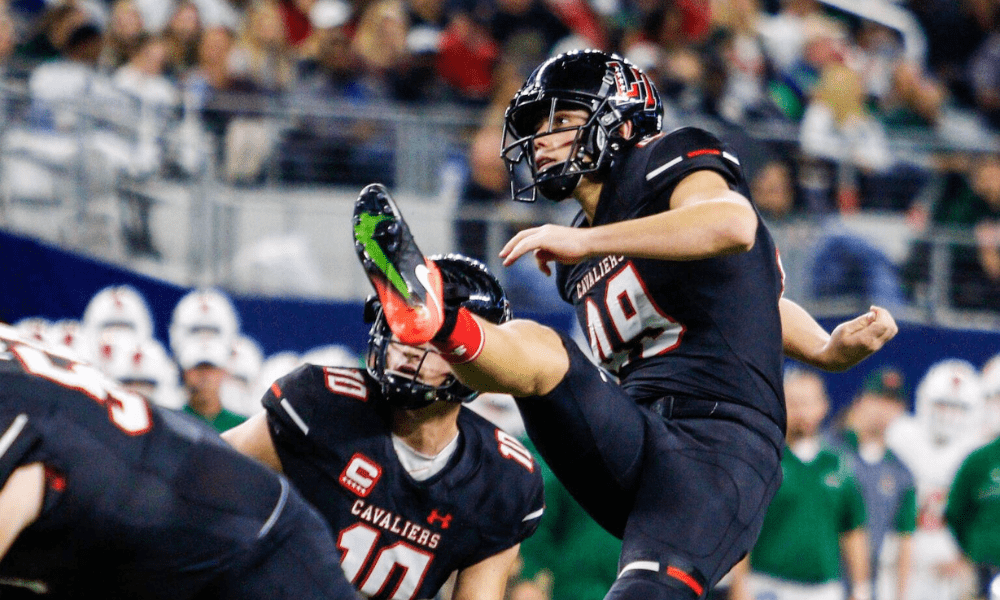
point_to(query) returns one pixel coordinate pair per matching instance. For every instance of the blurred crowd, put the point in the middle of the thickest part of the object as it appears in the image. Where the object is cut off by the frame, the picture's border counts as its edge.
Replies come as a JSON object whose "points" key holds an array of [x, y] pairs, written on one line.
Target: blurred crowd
{"points": [[833, 106]]}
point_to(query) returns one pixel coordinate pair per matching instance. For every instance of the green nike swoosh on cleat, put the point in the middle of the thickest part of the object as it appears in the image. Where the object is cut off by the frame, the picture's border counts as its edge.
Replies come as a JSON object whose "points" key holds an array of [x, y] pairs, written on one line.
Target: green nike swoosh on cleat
{"points": [[363, 232]]}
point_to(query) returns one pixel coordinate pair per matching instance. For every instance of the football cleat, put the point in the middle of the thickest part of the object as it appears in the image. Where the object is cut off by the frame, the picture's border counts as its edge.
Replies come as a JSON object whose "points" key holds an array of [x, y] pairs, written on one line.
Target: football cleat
{"points": [[407, 283]]}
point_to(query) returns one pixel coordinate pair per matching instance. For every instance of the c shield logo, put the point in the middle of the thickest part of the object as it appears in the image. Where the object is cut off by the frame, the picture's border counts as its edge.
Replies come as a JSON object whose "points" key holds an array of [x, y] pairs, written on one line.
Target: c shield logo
{"points": [[360, 475]]}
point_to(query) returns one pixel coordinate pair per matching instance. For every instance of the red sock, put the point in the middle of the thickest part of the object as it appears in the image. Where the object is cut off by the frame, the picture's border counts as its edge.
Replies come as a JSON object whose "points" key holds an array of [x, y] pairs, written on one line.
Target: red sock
{"points": [[465, 342]]}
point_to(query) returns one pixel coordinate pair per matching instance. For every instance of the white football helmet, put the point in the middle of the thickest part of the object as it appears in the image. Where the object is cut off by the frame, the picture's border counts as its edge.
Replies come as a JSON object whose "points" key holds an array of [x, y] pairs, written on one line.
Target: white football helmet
{"points": [[989, 376], [948, 400], [35, 329], [144, 367], [204, 312], [117, 310], [246, 360], [333, 355]]}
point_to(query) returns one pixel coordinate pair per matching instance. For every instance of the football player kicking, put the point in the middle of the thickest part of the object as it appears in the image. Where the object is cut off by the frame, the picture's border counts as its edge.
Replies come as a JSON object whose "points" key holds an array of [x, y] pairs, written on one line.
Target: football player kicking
{"points": [[415, 485], [677, 284], [104, 496]]}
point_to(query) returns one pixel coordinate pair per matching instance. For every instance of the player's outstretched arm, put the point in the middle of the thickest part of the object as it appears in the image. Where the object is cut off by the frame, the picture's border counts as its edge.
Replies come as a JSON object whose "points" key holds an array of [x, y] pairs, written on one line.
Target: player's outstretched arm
{"points": [[487, 579], [253, 438], [850, 342], [20, 502], [705, 219]]}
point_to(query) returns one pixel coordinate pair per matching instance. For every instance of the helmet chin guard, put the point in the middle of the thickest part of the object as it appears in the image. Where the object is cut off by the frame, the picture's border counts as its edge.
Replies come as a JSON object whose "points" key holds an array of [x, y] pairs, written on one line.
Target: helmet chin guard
{"points": [[610, 89]]}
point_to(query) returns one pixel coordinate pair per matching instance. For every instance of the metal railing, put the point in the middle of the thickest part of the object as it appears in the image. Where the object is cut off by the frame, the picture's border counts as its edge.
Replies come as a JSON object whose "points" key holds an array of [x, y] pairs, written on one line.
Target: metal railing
{"points": [[256, 197]]}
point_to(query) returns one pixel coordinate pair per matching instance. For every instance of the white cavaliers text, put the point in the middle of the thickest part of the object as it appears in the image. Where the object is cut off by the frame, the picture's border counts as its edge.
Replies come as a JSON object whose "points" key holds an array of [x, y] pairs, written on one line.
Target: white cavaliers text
{"points": [[594, 275], [396, 524]]}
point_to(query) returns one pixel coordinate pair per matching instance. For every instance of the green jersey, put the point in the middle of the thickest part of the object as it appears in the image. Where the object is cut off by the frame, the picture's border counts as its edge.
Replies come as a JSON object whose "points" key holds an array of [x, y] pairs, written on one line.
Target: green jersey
{"points": [[818, 501], [223, 421], [973, 511]]}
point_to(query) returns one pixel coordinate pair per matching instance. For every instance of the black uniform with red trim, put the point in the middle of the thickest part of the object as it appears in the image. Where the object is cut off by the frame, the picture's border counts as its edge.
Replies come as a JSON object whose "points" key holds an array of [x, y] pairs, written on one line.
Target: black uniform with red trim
{"points": [[399, 537], [680, 455], [142, 502], [703, 328]]}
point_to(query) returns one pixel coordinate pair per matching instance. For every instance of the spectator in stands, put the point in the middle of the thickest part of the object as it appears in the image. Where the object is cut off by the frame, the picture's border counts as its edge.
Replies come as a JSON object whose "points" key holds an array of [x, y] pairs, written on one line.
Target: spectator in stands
{"points": [[8, 44], [984, 78], [124, 35], [144, 76], [783, 33], [676, 67], [838, 127], [204, 85], [262, 60], [325, 145], [826, 42], [467, 58], [746, 66], [56, 84], [380, 43], [51, 32], [817, 516], [527, 30], [488, 185], [967, 211], [183, 35], [887, 485], [261, 66], [897, 86], [399, 61], [954, 30]]}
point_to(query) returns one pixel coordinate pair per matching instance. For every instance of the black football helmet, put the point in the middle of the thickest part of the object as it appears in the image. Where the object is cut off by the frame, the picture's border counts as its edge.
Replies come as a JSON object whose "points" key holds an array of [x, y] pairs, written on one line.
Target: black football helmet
{"points": [[610, 88], [466, 282]]}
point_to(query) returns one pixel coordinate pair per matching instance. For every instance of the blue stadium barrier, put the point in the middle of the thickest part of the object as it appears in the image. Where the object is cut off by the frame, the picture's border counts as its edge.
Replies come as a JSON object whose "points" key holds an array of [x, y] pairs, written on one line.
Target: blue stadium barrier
{"points": [[42, 280]]}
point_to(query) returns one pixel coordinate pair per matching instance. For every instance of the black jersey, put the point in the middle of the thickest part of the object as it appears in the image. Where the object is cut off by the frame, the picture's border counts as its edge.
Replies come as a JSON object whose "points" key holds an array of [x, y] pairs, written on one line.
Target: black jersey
{"points": [[139, 502], [703, 328], [400, 538]]}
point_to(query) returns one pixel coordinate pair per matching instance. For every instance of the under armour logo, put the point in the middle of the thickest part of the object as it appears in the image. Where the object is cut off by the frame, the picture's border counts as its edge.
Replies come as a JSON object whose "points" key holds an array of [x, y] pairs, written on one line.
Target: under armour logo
{"points": [[434, 516]]}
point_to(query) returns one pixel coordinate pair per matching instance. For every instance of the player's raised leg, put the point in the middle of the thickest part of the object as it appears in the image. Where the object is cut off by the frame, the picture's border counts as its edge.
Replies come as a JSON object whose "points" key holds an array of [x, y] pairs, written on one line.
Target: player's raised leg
{"points": [[519, 357]]}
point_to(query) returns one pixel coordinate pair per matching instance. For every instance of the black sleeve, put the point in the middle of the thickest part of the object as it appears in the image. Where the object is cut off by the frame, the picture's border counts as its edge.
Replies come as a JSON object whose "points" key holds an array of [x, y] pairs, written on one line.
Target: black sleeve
{"points": [[17, 439], [316, 406], [290, 406]]}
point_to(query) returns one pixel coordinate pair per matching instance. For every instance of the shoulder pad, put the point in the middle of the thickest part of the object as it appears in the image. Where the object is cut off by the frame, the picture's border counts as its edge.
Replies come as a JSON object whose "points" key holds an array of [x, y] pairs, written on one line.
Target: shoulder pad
{"points": [[305, 396], [685, 150]]}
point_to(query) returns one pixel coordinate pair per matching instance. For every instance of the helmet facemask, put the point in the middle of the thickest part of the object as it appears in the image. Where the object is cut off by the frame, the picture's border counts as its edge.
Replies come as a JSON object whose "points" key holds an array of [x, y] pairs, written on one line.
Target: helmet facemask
{"points": [[405, 389], [466, 281], [589, 151], [610, 89]]}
